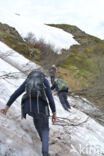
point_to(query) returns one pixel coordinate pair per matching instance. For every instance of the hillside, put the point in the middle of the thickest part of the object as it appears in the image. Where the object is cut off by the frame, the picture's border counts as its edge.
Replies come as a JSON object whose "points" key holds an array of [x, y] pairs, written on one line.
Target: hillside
{"points": [[76, 133], [10, 36], [82, 66], [13, 39]]}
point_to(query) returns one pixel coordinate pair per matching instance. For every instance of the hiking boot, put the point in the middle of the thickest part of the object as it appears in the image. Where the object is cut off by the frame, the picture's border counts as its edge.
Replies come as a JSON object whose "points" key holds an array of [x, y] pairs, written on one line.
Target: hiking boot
{"points": [[45, 154], [69, 109]]}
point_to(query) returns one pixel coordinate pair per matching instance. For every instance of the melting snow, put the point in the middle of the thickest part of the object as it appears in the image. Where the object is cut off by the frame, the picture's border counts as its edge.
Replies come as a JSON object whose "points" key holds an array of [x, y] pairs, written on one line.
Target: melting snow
{"points": [[75, 133], [24, 24]]}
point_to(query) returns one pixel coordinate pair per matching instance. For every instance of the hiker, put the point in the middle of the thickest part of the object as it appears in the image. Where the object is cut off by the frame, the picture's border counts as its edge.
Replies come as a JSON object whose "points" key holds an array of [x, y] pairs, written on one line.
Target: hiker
{"points": [[34, 103], [52, 73], [61, 88]]}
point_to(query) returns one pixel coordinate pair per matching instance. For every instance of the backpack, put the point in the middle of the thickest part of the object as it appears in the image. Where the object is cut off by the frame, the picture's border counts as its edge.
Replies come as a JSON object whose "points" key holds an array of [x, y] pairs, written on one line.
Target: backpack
{"points": [[35, 87], [61, 85], [35, 84]]}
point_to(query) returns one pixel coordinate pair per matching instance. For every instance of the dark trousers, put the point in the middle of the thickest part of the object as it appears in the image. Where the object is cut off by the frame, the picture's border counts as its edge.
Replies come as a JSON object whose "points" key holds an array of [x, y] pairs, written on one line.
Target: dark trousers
{"points": [[41, 122], [63, 99], [52, 79]]}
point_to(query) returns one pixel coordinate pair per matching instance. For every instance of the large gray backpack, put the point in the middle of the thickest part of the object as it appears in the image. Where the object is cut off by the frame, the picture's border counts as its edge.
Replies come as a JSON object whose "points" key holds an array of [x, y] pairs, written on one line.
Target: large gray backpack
{"points": [[35, 84], [35, 87]]}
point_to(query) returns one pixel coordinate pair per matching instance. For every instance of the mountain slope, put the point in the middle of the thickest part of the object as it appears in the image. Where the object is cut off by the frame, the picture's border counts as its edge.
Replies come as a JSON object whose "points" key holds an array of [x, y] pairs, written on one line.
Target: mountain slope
{"points": [[84, 66], [72, 132], [13, 39], [10, 36]]}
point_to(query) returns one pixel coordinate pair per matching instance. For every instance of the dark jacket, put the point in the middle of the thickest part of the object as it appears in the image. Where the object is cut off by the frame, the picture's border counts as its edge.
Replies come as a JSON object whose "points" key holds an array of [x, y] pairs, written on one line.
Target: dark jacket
{"points": [[43, 107], [52, 71]]}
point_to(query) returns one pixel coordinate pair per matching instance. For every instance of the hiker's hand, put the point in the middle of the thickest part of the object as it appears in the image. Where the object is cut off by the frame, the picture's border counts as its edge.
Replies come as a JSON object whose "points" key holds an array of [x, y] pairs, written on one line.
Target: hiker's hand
{"points": [[55, 93], [54, 118], [4, 110]]}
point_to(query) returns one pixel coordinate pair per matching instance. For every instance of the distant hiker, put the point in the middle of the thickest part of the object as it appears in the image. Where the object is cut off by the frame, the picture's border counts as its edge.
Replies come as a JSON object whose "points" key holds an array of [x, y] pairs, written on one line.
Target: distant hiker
{"points": [[34, 103], [62, 90], [52, 73]]}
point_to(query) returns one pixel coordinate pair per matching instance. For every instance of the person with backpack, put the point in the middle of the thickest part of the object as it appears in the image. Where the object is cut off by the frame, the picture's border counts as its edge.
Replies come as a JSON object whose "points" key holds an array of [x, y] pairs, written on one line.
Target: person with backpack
{"points": [[62, 90], [52, 73], [34, 103]]}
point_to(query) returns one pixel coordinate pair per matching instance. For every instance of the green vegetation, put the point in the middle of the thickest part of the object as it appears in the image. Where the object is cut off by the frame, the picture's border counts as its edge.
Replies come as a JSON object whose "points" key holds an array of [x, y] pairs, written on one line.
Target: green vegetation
{"points": [[11, 37], [84, 66]]}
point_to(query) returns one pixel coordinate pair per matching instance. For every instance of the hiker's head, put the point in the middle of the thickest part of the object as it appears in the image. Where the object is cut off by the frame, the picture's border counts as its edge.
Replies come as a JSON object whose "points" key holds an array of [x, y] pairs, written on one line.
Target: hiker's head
{"points": [[54, 66], [38, 69]]}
